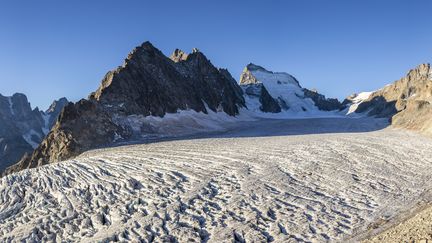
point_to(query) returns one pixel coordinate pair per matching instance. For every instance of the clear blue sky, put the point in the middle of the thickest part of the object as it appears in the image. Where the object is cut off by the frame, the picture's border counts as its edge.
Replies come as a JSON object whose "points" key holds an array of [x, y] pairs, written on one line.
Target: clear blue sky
{"points": [[50, 49]]}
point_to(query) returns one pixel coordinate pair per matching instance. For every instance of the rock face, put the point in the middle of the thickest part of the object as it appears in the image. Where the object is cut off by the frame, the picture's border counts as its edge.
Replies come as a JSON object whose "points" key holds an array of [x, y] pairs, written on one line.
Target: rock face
{"points": [[54, 110], [21, 128], [268, 103], [406, 102], [323, 103], [147, 84], [277, 91]]}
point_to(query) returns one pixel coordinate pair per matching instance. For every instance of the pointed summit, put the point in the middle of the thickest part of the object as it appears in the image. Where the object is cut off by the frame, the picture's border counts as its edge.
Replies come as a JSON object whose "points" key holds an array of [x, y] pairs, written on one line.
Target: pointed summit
{"points": [[148, 84], [254, 67], [57, 104], [54, 110], [143, 52]]}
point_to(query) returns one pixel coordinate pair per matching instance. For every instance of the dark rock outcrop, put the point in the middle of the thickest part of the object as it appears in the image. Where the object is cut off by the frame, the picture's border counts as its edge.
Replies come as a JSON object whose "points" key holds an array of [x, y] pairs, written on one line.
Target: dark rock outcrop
{"points": [[21, 128], [268, 103], [147, 84], [323, 103]]}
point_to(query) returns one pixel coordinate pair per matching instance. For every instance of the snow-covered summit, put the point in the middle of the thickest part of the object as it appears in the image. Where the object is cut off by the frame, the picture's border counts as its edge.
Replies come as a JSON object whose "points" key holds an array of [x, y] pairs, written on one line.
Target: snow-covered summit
{"points": [[253, 74], [282, 87]]}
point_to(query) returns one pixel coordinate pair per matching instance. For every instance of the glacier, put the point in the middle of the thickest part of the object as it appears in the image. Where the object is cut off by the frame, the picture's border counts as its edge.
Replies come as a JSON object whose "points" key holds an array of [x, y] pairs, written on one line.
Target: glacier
{"points": [[312, 180]]}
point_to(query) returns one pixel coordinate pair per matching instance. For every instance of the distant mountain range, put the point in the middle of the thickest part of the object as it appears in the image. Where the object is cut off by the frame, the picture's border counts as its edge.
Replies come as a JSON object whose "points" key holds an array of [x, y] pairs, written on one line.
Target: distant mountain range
{"points": [[21, 128], [152, 87]]}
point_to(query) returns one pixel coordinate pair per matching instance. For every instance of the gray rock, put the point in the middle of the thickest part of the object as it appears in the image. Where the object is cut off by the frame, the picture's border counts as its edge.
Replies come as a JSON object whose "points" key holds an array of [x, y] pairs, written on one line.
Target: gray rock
{"points": [[21, 128], [54, 110], [323, 103], [268, 103], [147, 84]]}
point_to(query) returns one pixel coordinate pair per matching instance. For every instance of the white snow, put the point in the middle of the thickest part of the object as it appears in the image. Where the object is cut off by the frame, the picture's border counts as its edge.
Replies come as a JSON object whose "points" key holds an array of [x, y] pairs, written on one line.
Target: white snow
{"points": [[184, 122], [253, 111], [357, 100], [255, 183], [28, 138], [46, 128], [283, 86]]}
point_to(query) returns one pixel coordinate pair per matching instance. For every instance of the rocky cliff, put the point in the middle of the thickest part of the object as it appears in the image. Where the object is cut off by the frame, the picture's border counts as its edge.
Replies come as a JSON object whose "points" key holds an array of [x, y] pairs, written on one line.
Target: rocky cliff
{"points": [[406, 102], [147, 84], [21, 127]]}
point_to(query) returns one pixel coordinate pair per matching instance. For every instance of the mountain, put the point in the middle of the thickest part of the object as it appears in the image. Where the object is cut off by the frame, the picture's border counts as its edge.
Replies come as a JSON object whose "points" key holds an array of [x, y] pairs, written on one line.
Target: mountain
{"points": [[21, 128], [278, 91], [148, 84], [406, 102], [54, 110]]}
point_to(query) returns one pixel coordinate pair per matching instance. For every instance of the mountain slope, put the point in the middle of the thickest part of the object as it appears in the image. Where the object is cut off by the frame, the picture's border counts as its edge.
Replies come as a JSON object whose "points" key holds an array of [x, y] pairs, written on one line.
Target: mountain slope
{"points": [[407, 102], [21, 128], [147, 84]]}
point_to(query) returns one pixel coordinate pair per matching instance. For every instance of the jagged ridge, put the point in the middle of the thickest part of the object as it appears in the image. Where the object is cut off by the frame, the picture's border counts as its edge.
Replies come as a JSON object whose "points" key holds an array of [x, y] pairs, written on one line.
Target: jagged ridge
{"points": [[277, 91], [147, 84], [406, 102]]}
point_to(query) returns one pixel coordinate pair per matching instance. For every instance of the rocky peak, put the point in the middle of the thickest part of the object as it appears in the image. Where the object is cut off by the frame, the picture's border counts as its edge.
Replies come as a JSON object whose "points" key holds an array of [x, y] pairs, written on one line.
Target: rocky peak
{"points": [[253, 74], [20, 105], [254, 67], [55, 109], [57, 105], [146, 52], [17, 107], [247, 77], [415, 87], [178, 55], [148, 84], [21, 128], [421, 72]]}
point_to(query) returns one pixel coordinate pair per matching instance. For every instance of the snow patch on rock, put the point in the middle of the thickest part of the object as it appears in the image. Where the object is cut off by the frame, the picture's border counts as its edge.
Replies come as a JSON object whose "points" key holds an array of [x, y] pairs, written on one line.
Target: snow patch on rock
{"points": [[28, 137], [184, 122], [357, 100]]}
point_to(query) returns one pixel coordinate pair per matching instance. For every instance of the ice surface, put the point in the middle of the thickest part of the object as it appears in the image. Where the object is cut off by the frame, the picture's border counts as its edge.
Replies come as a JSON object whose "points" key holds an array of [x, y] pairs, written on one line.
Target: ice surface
{"points": [[253, 182]]}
